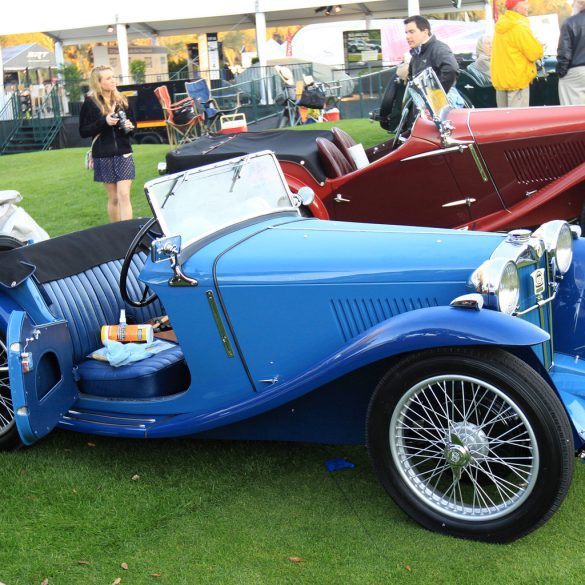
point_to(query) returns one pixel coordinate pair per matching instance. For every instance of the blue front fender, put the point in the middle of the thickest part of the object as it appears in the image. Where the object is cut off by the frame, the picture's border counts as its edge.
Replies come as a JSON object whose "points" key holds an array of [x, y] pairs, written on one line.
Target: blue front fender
{"points": [[569, 306], [413, 331]]}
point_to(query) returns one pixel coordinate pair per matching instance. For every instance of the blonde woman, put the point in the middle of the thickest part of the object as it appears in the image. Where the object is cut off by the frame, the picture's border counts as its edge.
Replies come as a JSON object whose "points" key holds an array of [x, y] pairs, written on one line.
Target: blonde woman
{"points": [[107, 119]]}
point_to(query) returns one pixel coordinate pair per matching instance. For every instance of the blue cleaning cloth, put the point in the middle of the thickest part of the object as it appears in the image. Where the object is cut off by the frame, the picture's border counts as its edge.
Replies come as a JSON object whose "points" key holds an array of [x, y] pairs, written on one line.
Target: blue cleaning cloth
{"points": [[338, 463], [120, 354]]}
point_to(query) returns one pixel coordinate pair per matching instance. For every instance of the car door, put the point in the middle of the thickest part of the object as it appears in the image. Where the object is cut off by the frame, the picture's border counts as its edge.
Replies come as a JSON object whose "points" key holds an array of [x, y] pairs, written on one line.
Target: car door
{"points": [[413, 185], [40, 365], [475, 182]]}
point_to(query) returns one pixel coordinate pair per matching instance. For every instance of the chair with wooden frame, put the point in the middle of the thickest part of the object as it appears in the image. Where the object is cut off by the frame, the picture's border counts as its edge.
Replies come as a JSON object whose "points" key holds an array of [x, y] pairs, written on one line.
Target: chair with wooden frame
{"points": [[178, 133]]}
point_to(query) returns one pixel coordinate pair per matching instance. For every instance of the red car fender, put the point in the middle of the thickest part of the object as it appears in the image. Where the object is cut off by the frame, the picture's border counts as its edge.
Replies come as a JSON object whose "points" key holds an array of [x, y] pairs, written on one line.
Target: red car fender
{"points": [[318, 209], [296, 177], [532, 205]]}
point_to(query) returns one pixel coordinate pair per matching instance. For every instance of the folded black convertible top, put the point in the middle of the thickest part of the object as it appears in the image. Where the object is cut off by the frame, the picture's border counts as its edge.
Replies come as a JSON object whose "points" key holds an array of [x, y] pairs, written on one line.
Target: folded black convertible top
{"points": [[299, 147], [68, 254]]}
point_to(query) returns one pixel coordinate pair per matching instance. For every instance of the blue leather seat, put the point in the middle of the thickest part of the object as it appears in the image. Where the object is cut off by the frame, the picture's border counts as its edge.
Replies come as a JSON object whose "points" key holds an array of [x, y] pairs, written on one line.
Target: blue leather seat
{"points": [[91, 299], [160, 375]]}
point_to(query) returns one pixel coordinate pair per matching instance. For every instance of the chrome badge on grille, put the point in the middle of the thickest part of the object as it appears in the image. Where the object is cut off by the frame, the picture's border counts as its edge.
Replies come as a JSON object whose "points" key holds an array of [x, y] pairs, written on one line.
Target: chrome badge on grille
{"points": [[538, 281]]}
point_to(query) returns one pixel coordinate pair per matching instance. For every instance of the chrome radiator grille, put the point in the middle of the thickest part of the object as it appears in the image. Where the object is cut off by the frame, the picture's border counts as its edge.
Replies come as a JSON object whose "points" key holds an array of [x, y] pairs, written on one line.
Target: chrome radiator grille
{"points": [[541, 317]]}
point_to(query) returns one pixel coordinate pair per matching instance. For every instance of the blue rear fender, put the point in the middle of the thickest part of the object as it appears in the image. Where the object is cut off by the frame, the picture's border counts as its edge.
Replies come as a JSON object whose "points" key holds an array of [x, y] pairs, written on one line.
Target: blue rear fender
{"points": [[7, 305], [412, 331], [25, 297]]}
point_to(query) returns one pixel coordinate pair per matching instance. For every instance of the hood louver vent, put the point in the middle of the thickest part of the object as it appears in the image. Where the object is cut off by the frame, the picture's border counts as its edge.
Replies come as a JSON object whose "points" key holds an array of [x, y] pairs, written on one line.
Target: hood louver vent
{"points": [[545, 163], [354, 316]]}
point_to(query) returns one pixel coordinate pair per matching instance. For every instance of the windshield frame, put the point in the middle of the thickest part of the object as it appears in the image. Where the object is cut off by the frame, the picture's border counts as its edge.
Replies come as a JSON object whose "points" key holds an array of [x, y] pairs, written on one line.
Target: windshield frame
{"points": [[429, 97], [235, 165]]}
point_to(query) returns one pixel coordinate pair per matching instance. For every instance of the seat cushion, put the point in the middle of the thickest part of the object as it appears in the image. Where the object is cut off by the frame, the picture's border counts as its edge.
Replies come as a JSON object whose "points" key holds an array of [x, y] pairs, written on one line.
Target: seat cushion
{"points": [[344, 142], [332, 159], [160, 375], [92, 298]]}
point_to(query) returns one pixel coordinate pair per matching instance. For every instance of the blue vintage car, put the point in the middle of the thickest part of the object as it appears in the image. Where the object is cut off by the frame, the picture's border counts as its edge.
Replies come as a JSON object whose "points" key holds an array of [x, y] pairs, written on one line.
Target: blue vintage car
{"points": [[434, 347]]}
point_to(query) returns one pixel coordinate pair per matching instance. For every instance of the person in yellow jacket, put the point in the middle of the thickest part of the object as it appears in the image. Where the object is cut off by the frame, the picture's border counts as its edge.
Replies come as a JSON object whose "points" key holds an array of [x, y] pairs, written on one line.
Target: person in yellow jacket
{"points": [[515, 51]]}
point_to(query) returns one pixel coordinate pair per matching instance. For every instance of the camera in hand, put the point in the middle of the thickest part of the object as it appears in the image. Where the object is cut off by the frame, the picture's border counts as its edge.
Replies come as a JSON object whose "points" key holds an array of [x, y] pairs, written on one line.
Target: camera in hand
{"points": [[122, 119]]}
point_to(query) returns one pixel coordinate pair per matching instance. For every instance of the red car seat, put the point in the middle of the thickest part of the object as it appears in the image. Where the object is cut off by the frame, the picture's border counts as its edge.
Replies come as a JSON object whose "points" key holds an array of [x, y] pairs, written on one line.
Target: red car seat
{"points": [[344, 141], [333, 160]]}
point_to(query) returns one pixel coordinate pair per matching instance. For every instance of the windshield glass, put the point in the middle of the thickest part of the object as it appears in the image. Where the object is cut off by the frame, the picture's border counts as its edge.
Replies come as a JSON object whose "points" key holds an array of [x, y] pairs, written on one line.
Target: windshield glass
{"points": [[429, 96], [198, 202]]}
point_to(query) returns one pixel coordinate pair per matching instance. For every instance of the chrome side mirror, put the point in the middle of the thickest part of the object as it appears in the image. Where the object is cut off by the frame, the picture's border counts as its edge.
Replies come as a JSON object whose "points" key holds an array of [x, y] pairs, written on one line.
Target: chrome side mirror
{"points": [[305, 196], [165, 248], [169, 248]]}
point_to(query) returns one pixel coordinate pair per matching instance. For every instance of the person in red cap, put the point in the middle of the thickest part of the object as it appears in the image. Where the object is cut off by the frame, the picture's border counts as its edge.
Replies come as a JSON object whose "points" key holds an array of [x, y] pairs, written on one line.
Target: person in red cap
{"points": [[515, 51]]}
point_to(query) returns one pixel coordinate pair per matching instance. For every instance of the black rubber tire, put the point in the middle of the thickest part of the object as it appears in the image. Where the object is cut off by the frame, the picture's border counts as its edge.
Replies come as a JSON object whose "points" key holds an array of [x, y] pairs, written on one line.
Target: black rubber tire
{"points": [[390, 105], [407, 435], [9, 437], [9, 243], [151, 138]]}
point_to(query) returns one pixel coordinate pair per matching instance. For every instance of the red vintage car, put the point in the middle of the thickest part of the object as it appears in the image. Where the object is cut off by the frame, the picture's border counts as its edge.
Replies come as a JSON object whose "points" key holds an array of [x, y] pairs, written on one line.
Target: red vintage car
{"points": [[484, 169]]}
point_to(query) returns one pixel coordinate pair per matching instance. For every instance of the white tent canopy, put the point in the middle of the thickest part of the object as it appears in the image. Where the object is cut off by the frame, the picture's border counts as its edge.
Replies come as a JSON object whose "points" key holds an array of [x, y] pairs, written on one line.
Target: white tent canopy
{"points": [[73, 23], [31, 55]]}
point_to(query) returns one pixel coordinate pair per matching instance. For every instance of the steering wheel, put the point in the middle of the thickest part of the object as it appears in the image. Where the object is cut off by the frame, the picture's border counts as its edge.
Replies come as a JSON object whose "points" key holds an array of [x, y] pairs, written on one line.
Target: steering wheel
{"points": [[137, 243], [402, 124]]}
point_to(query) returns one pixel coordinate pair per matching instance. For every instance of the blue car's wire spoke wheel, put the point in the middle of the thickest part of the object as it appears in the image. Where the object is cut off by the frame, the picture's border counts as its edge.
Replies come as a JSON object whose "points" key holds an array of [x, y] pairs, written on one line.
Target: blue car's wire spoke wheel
{"points": [[473, 443], [9, 437], [8, 433], [464, 447], [6, 410]]}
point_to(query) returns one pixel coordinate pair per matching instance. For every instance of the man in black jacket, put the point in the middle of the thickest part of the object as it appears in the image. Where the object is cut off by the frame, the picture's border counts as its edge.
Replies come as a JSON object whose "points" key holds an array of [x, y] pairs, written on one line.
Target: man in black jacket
{"points": [[428, 51], [571, 58]]}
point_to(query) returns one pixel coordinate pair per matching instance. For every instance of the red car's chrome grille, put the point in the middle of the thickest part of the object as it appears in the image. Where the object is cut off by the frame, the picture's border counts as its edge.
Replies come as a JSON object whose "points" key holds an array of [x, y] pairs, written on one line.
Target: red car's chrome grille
{"points": [[545, 163], [354, 316]]}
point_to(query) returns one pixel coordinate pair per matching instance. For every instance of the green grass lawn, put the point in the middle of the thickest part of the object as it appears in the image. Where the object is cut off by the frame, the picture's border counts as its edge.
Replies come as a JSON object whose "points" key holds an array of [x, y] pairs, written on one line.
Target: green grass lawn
{"points": [[75, 508], [62, 196]]}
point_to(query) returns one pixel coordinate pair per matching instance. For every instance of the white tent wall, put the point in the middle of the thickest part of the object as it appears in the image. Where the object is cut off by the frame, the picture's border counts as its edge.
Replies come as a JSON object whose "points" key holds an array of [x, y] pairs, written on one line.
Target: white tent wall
{"points": [[71, 23]]}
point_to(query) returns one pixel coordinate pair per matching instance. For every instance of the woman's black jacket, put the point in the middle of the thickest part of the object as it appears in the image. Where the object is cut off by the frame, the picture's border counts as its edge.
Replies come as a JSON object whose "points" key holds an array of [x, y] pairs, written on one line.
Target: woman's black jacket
{"points": [[112, 141]]}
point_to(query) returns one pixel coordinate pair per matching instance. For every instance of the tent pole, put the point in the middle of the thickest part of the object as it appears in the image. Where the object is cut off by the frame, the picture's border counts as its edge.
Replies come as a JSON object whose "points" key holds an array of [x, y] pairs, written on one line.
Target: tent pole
{"points": [[60, 62], [2, 95], [413, 7], [265, 96], [123, 51]]}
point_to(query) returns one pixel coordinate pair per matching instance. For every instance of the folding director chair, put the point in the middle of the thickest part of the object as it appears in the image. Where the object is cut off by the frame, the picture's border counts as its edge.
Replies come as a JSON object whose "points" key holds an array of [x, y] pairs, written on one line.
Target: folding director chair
{"points": [[178, 133], [207, 106]]}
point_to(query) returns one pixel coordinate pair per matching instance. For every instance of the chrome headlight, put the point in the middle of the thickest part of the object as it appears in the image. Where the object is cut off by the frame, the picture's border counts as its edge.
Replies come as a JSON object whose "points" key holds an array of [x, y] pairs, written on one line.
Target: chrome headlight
{"points": [[558, 241], [498, 281]]}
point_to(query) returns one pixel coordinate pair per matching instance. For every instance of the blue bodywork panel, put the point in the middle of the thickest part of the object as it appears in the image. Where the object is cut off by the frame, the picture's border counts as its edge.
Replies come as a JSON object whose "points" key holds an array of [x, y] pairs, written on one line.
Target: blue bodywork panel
{"points": [[569, 306], [41, 375], [287, 324], [413, 331]]}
